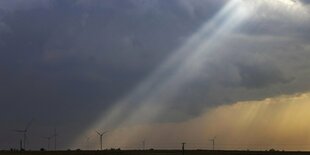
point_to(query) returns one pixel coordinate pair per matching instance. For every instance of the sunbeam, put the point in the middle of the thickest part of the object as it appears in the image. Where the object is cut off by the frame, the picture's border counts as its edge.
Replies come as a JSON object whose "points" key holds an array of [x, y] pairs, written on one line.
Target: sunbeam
{"points": [[153, 97], [137, 74], [148, 100]]}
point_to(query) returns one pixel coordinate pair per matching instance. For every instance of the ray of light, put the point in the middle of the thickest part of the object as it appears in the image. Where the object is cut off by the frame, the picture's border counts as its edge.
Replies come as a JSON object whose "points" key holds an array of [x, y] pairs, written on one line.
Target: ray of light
{"points": [[150, 97], [143, 96]]}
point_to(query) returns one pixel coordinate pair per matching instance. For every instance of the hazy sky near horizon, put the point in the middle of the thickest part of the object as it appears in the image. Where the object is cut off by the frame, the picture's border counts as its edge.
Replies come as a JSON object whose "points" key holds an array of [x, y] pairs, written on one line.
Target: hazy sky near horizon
{"points": [[86, 65]]}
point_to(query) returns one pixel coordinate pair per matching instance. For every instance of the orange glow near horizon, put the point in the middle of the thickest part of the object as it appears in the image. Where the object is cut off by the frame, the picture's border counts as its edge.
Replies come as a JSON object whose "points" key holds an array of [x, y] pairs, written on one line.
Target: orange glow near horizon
{"points": [[280, 123]]}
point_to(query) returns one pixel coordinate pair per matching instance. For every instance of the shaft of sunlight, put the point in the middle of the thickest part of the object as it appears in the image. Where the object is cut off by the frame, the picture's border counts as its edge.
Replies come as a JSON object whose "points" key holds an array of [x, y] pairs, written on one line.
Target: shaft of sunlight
{"points": [[150, 98]]}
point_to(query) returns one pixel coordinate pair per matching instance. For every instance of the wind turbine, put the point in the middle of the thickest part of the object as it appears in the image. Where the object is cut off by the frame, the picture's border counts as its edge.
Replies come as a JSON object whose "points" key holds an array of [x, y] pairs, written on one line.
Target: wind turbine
{"points": [[100, 136], [213, 142], [24, 132]]}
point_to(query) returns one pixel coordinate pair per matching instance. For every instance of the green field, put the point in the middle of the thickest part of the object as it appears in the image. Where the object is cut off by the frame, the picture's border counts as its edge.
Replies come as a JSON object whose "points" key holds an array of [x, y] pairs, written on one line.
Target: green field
{"points": [[152, 152]]}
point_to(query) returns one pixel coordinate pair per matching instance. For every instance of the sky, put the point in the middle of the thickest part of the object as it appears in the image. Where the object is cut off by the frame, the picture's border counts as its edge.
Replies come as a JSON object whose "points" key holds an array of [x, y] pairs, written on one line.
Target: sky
{"points": [[163, 72]]}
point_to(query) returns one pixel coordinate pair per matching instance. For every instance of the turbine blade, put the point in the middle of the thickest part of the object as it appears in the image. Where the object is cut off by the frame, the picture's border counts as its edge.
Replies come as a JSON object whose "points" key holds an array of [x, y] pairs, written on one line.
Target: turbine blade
{"points": [[98, 133], [20, 131], [28, 125]]}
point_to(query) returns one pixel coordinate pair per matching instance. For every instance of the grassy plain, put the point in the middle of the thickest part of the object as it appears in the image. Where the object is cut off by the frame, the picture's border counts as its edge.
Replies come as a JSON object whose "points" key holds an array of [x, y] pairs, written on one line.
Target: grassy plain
{"points": [[153, 152]]}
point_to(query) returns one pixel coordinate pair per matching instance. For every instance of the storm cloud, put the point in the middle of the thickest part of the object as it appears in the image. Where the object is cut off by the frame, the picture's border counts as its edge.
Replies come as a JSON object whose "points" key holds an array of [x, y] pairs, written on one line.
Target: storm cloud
{"points": [[67, 63]]}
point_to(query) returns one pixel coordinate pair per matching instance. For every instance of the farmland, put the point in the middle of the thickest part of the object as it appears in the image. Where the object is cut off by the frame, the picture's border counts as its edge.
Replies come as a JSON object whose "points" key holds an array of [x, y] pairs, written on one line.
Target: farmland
{"points": [[153, 152]]}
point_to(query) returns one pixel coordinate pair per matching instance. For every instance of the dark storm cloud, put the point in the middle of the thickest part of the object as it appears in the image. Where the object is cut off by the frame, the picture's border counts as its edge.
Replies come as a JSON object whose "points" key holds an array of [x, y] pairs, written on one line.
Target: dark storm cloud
{"points": [[64, 62], [259, 76], [8, 5], [246, 68], [265, 57]]}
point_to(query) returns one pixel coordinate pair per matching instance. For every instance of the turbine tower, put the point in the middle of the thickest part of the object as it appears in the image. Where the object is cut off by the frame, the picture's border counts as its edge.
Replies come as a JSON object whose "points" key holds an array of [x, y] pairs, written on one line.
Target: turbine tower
{"points": [[55, 140], [100, 136], [143, 144], [48, 141], [24, 132], [87, 143], [183, 148], [213, 142]]}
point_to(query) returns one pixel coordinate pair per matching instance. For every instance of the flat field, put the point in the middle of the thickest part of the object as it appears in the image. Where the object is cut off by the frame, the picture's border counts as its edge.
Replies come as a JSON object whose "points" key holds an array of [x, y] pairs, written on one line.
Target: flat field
{"points": [[153, 152]]}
